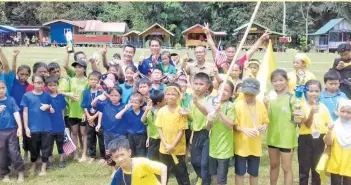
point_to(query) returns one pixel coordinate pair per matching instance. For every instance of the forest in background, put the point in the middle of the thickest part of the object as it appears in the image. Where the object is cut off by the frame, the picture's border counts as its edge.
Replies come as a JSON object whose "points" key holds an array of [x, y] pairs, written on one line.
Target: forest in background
{"points": [[178, 16]]}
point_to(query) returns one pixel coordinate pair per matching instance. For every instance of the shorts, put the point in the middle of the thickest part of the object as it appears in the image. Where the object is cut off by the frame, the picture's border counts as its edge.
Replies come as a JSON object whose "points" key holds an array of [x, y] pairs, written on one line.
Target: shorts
{"points": [[219, 167], [284, 150], [76, 121], [248, 164]]}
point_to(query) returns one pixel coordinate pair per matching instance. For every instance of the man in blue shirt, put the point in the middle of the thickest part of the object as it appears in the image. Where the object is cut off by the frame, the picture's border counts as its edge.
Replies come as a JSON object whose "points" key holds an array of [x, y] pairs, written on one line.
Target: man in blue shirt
{"points": [[148, 64]]}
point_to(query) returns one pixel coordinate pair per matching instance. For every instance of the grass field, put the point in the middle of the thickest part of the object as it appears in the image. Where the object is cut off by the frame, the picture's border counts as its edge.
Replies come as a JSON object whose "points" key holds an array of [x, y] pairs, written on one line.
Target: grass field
{"points": [[86, 174]]}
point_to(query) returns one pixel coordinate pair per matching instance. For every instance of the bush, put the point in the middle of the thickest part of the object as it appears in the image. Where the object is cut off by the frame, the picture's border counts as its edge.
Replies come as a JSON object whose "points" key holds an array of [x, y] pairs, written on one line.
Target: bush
{"points": [[303, 46], [178, 46]]}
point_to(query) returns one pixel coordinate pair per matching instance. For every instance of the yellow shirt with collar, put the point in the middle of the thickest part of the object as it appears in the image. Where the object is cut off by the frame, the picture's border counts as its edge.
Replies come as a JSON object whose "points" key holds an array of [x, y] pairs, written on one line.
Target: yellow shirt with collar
{"points": [[321, 119], [244, 145]]}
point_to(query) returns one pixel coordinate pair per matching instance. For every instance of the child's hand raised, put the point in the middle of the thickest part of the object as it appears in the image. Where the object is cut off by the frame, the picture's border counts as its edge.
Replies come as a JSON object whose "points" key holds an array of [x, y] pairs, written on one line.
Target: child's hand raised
{"points": [[101, 97], [2, 108], [103, 50], [195, 98], [16, 52], [315, 106], [330, 126], [141, 58], [128, 106], [149, 104], [183, 112]]}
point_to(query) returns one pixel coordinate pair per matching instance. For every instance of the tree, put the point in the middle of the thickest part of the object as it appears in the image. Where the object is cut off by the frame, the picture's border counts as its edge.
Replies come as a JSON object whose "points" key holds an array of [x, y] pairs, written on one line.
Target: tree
{"points": [[305, 17]]}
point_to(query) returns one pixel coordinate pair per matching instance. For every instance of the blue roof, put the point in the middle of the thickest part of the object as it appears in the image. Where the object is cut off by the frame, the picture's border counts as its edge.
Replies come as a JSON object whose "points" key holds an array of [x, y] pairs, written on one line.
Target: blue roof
{"points": [[327, 27], [9, 28]]}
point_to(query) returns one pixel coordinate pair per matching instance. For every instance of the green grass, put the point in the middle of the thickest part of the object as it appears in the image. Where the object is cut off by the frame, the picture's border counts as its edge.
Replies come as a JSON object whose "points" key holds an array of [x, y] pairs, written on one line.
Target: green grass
{"points": [[84, 174]]}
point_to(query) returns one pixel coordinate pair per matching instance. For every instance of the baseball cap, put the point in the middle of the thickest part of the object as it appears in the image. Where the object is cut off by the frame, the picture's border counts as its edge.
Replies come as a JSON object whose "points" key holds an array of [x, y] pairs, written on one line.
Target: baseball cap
{"points": [[174, 54], [251, 85], [80, 62]]}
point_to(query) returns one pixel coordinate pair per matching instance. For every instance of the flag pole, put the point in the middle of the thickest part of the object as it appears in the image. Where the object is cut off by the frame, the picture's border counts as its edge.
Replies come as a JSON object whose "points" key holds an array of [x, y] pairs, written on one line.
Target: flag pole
{"points": [[240, 46]]}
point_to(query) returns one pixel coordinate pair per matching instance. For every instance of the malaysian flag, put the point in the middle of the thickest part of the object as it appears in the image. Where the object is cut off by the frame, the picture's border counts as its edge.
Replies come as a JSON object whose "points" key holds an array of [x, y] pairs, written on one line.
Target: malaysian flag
{"points": [[221, 58], [68, 145]]}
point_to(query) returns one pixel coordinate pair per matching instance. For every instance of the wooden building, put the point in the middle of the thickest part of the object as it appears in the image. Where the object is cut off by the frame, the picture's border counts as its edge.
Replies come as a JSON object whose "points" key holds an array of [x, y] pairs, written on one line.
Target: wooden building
{"points": [[329, 36], [158, 31], [255, 33], [87, 31], [132, 38], [195, 36]]}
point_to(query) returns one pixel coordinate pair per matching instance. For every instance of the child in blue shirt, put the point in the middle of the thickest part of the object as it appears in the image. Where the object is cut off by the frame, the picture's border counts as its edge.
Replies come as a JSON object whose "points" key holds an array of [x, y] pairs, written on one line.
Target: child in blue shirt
{"points": [[143, 86], [36, 115], [113, 128], [9, 116], [331, 95], [128, 85], [136, 129], [6, 74], [156, 80], [92, 118], [58, 103]]}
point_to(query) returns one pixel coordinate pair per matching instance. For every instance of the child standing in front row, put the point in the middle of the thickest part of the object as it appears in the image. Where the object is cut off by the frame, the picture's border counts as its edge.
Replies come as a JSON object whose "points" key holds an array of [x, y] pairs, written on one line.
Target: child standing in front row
{"points": [[252, 120], [331, 95], [312, 131], [339, 138], [171, 126], [92, 118], [136, 129], [9, 115], [36, 115], [153, 139], [281, 132], [221, 133], [57, 118], [108, 108]]}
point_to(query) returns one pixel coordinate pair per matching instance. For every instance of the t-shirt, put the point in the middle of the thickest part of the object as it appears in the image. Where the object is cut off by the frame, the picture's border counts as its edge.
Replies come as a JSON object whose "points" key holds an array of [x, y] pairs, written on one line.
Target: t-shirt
{"points": [[281, 132], [64, 87], [150, 121], [222, 138], [148, 65], [339, 161], [135, 126], [88, 97], [170, 69], [127, 91], [144, 171], [244, 145], [109, 121], [6, 116], [332, 101], [194, 68], [320, 119], [171, 122], [161, 88], [77, 86], [17, 92], [8, 79], [292, 79], [345, 74], [57, 121], [199, 119], [38, 120]]}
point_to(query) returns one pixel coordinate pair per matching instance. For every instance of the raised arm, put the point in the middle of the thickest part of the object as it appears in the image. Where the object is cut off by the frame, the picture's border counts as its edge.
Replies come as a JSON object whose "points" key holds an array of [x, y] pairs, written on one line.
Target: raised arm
{"points": [[14, 60], [66, 63], [210, 41], [5, 62], [120, 114], [257, 44], [104, 57]]}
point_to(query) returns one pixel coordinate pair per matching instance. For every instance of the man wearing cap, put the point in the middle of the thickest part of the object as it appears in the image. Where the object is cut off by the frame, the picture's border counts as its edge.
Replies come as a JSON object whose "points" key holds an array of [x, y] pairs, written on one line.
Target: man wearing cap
{"points": [[343, 65], [148, 64]]}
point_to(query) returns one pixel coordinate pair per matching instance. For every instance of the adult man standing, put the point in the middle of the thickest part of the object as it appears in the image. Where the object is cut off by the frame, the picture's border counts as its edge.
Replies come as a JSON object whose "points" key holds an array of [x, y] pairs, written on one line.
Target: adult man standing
{"points": [[343, 65]]}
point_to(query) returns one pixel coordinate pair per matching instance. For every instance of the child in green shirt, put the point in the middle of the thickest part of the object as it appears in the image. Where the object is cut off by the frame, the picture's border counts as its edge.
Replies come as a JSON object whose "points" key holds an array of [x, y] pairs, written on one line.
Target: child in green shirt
{"points": [[153, 139]]}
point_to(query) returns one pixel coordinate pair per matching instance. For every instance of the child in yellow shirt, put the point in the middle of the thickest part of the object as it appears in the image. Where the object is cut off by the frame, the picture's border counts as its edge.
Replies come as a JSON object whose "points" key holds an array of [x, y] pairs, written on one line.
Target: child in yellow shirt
{"points": [[339, 138], [171, 125], [312, 131], [252, 120]]}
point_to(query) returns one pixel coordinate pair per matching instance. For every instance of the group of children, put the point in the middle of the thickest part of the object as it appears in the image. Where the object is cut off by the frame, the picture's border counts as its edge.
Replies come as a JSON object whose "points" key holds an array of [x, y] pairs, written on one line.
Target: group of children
{"points": [[154, 114]]}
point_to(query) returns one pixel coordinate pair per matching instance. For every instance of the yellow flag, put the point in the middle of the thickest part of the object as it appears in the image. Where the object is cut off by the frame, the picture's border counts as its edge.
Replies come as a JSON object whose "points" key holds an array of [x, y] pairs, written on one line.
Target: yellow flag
{"points": [[267, 66]]}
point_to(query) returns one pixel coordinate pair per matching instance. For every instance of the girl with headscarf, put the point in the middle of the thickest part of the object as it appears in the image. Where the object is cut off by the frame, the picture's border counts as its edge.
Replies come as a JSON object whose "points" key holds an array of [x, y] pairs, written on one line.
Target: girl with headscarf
{"points": [[300, 63], [339, 138]]}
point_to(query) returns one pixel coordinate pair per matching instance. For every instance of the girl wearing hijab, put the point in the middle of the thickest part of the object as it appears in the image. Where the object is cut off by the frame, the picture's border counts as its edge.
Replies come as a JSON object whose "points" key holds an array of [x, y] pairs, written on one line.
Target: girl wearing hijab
{"points": [[339, 139]]}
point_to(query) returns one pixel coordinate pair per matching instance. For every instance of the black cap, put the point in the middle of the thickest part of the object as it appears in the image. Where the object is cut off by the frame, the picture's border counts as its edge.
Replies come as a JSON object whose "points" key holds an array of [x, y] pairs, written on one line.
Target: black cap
{"points": [[174, 54], [80, 62], [251, 85]]}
